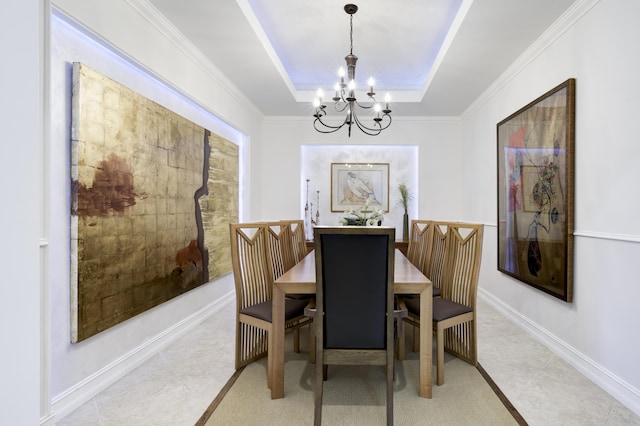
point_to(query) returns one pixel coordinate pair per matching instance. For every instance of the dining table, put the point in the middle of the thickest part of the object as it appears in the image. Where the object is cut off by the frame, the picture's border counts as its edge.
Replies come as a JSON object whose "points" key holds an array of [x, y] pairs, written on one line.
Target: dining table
{"points": [[301, 279]]}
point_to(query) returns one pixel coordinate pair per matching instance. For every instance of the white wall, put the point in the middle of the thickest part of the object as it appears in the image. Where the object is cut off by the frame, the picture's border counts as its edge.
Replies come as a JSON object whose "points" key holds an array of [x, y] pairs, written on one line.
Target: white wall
{"points": [[316, 162], [439, 164], [177, 79], [22, 84], [598, 332]]}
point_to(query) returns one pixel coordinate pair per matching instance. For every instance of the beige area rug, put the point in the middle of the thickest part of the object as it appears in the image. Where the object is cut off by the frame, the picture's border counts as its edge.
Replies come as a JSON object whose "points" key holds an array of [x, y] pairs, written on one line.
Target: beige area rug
{"points": [[355, 395]]}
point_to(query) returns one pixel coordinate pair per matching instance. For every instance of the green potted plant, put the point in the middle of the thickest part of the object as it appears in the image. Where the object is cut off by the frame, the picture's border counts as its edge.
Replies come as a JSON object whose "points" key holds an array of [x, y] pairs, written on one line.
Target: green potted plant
{"points": [[405, 197]]}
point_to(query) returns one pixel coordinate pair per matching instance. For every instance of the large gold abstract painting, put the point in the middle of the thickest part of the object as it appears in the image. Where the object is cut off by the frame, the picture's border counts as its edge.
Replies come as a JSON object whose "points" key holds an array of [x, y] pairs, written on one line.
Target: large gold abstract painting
{"points": [[152, 195]]}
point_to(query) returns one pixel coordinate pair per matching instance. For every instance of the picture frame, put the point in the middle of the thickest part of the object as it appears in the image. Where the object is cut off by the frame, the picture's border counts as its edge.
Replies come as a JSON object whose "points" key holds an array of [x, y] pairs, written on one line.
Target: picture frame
{"points": [[535, 186], [352, 184]]}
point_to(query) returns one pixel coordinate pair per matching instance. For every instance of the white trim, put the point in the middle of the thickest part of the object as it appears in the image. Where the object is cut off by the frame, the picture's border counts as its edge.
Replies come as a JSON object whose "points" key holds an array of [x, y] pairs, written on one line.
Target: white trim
{"points": [[169, 31], [446, 44], [609, 382], [590, 234], [82, 392], [608, 236], [45, 279], [562, 24], [254, 23], [149, 13]]}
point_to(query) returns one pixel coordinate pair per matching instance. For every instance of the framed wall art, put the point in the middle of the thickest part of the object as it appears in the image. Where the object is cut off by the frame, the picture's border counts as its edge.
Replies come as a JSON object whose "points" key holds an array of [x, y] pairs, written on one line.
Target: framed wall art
{"points": [[355, 184], [152, 194], [535, 159]]}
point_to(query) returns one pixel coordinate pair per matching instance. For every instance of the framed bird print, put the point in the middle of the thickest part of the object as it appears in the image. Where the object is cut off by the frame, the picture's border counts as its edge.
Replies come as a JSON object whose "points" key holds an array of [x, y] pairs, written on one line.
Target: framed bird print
{"points": [[355, 185]]}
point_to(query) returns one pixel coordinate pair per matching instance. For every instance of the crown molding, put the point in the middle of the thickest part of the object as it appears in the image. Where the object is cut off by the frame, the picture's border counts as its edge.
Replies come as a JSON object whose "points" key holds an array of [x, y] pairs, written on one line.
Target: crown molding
{"points": [[149, 13], [552, 34]]}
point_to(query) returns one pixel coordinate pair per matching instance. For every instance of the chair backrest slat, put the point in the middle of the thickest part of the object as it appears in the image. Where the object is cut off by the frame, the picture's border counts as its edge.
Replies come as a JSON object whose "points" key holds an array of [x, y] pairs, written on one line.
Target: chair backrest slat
{"points": [[419, 242], [279, 248], [434, 265]]}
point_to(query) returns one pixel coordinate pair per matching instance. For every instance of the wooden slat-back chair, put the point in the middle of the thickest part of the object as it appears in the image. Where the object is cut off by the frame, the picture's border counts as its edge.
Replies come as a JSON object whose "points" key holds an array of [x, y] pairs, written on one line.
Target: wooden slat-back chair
{"points": [[432, 266], [297, 249], [253, 276], [454, 313], [419, 241], [282, 257], [461, 287], [298, 239]]}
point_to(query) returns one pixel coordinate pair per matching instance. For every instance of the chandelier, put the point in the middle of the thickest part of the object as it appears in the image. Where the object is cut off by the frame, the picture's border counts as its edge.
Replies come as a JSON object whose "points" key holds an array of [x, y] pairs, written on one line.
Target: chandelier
{"points": [[345, 97]]}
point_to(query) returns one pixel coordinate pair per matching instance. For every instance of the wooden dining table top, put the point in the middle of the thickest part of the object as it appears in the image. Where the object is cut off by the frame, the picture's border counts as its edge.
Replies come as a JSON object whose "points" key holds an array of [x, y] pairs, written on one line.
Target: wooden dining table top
{"points": [[302, 277]]}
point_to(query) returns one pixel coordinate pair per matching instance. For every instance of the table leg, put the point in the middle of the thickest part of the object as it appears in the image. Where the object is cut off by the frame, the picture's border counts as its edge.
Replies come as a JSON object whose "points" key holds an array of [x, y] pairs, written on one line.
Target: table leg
{"points": [[276, 363], [426, 342]]}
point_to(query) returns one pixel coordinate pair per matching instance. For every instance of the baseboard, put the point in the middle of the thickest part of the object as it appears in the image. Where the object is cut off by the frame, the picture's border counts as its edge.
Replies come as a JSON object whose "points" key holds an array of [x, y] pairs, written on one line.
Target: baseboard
{"points": [[76, 396], [609, 382]]}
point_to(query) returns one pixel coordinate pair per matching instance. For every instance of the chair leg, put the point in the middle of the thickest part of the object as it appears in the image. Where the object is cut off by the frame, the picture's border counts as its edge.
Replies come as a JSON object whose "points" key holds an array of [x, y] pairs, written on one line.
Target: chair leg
{"points": [[440, 354], [390, 376], [317, 411], [312, 343], [296, 340], [269, 359], [416, 339], [401, 340]]}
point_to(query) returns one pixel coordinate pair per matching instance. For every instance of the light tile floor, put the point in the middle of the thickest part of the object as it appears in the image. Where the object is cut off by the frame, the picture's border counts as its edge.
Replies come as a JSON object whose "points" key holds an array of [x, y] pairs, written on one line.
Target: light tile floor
{"points": [[176, 386]]}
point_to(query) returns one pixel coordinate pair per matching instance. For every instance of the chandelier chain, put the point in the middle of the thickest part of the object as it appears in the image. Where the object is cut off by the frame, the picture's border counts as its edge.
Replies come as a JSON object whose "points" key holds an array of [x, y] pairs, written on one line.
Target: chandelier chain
{"points": [[351, 35]]}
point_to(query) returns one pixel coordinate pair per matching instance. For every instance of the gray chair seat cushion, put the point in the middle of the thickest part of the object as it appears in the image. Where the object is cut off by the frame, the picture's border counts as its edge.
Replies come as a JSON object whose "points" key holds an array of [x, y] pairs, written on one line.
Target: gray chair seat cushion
{"points": [[292, 308], [442, 308]]}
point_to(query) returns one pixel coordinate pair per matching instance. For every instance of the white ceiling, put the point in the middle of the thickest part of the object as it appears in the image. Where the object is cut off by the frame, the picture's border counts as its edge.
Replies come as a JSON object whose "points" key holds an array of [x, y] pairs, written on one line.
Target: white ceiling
{"points": [[434, 57]]}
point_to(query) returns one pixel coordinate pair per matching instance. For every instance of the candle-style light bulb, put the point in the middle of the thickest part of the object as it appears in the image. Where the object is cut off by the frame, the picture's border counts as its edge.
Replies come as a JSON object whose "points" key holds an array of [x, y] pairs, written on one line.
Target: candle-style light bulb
{"points": [[316, 102], [320, 94], [371, 82], [387, 99], [338, 89], [341, 74], [352, 85], [377, 109]]}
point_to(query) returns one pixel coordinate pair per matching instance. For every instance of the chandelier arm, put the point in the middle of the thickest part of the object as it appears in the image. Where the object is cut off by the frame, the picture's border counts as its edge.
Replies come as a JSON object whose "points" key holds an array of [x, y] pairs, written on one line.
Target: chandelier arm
{"points": [[325, 131], [365, 106], [339, 108], [372, 131], [327, 126], [365, 129]]}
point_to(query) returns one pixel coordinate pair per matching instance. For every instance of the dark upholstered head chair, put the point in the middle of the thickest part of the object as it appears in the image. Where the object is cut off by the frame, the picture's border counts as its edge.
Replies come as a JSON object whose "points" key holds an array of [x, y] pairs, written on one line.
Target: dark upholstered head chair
{"points": [[354, 298]]}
